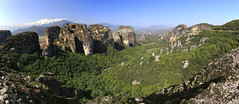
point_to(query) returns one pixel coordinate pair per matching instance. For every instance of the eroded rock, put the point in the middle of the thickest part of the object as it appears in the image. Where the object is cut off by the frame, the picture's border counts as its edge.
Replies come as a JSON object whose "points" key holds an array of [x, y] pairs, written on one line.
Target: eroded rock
{"points": [[49, 80], [185, 64], [49, 50], [75, 38], [52, 33], [124, 35], [26, 42], [102, 37]]}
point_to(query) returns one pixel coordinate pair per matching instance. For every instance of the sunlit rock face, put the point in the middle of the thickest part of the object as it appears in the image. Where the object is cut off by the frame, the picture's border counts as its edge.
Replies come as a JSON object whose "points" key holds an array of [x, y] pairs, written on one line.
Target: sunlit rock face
{"points": [[125, 35], [73, 37], [102, 37], [26, 42], [88, 44], [182, 29], [4, 34], [52, 33]]}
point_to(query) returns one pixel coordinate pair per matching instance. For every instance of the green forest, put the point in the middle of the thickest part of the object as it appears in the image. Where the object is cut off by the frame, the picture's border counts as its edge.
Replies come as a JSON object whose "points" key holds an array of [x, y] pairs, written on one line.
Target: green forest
{"points": [[113, 72]]}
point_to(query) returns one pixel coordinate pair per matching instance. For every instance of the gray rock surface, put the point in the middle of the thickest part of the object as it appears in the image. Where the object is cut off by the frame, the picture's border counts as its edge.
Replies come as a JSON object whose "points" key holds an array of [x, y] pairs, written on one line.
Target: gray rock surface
{"points": [[49, 50], [75, 38], [49, 80], [102, 37], [26, 42], [52, 33], [125, 35]]}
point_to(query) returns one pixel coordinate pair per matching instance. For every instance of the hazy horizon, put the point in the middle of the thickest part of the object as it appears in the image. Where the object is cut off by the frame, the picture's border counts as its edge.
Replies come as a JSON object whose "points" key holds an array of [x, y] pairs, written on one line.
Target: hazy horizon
{"points": [[126, 12]]}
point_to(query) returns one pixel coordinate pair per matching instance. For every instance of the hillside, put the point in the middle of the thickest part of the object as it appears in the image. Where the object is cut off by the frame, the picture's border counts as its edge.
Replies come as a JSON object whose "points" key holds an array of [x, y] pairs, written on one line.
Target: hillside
{"points": [[17, 87], [232, 25], [187, 70]]}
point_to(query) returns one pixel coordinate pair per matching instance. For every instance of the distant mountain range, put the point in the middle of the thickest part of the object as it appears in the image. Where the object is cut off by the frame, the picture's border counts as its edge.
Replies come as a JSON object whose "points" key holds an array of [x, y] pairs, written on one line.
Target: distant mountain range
{"points": [[40, 28]]}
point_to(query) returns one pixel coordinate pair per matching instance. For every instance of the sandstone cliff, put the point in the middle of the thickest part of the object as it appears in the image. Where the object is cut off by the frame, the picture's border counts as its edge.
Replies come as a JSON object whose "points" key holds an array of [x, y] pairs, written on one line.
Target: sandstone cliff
{"points": [[125, 35], [182, 29], [26, 42], [102, 37], [52, 33], [4, 34], [75, 38]]}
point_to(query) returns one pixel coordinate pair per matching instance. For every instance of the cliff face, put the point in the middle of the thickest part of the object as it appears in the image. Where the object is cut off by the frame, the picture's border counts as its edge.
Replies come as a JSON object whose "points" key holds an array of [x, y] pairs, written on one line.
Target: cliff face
{"points": [[102, 37], [4, 34], [75, 38], [52, 33], [125, 35], [182, 29], [78, 38], [26, 42]]}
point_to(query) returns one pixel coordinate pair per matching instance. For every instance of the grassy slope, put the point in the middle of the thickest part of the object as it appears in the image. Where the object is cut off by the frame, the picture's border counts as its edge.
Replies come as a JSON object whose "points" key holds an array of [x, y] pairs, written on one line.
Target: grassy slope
{"points": [[169, 70]]}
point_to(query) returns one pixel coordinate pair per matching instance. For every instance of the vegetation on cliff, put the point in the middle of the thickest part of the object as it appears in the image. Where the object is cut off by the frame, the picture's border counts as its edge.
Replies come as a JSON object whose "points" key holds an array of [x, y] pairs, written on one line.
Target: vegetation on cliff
{"points": [[113, 73]]}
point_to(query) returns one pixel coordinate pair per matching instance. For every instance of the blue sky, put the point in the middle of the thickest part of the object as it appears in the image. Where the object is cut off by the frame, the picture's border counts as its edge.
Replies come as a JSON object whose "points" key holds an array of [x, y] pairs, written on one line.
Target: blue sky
{"points": [[127, 12]]}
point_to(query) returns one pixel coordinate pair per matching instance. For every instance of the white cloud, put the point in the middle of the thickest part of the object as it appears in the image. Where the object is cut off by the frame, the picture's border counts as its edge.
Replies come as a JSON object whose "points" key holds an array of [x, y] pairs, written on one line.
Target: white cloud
{"points": [[36, 23], [42, 22]]}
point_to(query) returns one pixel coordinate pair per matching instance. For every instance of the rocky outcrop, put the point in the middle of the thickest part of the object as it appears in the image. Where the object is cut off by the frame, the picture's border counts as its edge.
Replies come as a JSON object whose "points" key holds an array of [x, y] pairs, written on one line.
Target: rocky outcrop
{"points": [[179, 30], [49, 50], [182, 29], [26, 42], [218, 83], [52, 33], [75, 38], [195, 29], [102, 37], [4, 34], [49, 80], [124, 35], [142, 38]]}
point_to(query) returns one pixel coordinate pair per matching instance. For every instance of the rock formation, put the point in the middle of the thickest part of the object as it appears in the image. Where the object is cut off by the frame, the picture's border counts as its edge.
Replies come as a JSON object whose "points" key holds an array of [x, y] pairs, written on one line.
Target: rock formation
{"points": [[195, 29], [124, 35], [4, 34], [102, 37], [26, 42], [49, 80], [52, 33], [49, 50], [179, 30], [75, 38], [182, 29], [142, 38]]}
